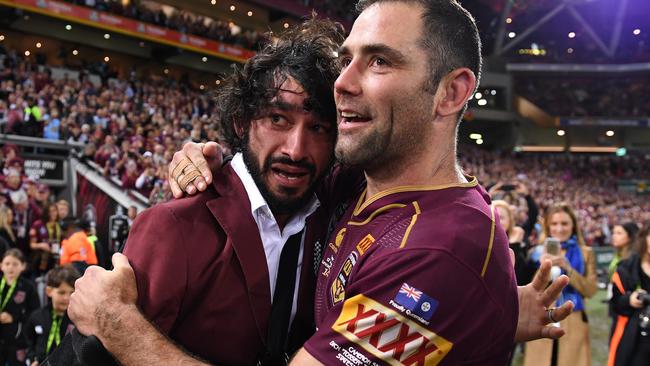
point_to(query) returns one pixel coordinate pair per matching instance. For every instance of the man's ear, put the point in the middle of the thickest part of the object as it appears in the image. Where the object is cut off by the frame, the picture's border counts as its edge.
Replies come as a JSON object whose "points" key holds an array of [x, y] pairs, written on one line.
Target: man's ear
{"points": [[49, 290], [456, 89]]}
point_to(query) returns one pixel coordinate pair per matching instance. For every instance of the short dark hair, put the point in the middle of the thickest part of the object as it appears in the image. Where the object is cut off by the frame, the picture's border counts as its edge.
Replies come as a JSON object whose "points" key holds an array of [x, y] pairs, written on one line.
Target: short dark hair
{"points": [[65, 274], [16, 253], [70, 223], [305, 53], [450, 36]]}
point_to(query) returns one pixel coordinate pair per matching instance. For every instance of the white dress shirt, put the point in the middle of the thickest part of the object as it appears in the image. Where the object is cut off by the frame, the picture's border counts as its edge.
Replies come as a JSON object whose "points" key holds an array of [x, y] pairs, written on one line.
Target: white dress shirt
{"points": [[272, 238]]}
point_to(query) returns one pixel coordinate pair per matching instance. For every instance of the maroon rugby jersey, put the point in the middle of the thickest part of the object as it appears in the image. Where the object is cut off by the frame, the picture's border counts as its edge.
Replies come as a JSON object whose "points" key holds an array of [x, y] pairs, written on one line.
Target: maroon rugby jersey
{"points": [[417, 276]]}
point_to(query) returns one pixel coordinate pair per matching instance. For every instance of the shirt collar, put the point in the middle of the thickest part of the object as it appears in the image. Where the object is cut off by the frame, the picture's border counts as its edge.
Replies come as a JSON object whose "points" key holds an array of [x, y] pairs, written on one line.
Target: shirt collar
{"points": [[255, 196]]}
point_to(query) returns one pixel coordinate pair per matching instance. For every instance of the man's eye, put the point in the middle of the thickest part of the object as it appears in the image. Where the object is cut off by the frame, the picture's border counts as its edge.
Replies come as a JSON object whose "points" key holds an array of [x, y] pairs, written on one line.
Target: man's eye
{"points": [[320, 129], [276, 118], [345, 61], [378, 61]]}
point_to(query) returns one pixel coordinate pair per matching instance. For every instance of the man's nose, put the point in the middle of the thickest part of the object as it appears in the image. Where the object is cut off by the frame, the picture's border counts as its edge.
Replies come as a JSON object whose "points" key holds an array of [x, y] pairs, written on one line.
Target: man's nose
{"points": [[295, 146], [348, 81]]}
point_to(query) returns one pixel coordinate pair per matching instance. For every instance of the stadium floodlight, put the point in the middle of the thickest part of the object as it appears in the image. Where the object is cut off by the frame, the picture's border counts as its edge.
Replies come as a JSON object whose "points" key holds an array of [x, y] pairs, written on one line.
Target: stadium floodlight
{"points": [[478, 95], [479, 142], [475, 136], [204, 59], [250, 13], [213, 2], [493, 92], [572, 34], [609, 133], [637, 31], [27, 53], [68, 27], [232, 8], [482, 102], [561, 132], [2, 37], [509, 20], [38, 45], [107, 36], [75, 52], [569, 50], [286, 25], [512, 35], [106, 59]]}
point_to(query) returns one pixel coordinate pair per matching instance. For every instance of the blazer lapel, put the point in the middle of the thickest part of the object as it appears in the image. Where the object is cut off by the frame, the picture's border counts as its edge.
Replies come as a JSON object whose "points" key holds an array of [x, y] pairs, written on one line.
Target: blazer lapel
{"points": [[232, 210]]}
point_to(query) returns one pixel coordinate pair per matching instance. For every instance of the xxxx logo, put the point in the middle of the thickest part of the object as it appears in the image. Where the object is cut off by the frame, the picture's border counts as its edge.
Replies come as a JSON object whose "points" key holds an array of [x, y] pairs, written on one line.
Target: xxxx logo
{"points": [[388, 335]]}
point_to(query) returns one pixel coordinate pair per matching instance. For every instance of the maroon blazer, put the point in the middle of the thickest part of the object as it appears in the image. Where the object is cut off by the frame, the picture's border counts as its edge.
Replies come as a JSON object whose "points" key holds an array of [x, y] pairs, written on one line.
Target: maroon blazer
{"points": [[202, 275]]}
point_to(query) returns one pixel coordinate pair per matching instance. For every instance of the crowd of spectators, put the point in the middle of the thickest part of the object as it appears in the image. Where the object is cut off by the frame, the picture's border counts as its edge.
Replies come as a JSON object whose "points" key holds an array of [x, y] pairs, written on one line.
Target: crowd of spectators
{"points": [[129, 128], [588, 96], [588, 183], [180, 20]]}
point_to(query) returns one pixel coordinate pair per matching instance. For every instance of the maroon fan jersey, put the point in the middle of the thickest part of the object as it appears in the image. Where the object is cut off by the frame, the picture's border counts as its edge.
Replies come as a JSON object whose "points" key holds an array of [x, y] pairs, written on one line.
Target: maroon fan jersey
{"points": [[417, 276]]}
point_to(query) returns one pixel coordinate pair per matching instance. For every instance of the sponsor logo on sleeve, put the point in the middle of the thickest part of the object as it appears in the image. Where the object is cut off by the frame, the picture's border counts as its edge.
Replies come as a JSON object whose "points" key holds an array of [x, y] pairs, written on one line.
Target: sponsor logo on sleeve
{"points": [[338, 240], [415, 303], [338, 286], [389, 336], [365, 244], [327, 264]]}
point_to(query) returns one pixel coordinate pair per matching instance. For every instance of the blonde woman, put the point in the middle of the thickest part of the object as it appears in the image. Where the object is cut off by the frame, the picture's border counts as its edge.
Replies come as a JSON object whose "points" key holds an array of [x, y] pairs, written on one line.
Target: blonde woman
{"points": [[7, 237], [578, 262], [517, 241]]}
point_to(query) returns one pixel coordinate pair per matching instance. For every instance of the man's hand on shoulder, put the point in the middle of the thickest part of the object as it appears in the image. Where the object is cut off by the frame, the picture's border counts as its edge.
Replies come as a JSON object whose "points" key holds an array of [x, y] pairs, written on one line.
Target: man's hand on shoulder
{"points": [[183, 177], [102, 298]]}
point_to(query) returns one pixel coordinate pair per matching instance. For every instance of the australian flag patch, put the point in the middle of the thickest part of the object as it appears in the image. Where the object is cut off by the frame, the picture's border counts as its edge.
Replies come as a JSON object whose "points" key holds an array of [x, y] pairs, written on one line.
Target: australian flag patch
{"points": [[416, 303]]}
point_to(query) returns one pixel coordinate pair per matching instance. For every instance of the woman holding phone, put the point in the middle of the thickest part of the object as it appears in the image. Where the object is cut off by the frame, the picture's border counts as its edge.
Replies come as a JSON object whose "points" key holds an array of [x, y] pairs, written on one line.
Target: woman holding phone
{"points": [[568, 252]]}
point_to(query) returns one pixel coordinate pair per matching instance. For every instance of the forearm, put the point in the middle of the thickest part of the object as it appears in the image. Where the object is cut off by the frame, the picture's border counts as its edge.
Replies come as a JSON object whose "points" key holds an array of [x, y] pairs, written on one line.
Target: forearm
{"points": [[150, 347]]}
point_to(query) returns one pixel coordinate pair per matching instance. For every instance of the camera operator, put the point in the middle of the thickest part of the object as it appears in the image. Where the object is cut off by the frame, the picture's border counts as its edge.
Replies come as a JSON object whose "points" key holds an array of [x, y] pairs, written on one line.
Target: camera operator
{"points": [[630, 343]]}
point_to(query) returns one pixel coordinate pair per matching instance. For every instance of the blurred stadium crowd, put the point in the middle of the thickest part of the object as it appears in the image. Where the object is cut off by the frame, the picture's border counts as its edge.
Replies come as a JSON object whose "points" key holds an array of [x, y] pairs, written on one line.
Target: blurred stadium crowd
{"points": [[180, 20], [131, 128], [588, 96]]}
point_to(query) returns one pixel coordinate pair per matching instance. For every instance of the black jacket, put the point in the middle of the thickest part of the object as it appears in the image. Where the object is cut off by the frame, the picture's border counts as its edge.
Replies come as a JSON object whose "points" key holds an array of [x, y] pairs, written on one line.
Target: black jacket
{"points": [[37, 331], [22, 303], [626, 330]]}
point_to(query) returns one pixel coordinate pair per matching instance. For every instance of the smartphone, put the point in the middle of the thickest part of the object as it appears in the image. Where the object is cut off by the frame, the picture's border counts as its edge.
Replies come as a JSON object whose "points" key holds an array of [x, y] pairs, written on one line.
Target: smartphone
{"points": [[552, 246]]}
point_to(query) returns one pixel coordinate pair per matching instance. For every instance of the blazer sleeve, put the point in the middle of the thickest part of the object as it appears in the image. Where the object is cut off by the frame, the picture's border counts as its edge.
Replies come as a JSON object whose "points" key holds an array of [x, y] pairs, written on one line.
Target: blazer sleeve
{"points": [[587, 284], [157, 252]]}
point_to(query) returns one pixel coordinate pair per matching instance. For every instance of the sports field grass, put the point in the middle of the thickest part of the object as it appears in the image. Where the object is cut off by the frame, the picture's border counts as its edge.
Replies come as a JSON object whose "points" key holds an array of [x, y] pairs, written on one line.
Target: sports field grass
{"points": [[599, 325]]}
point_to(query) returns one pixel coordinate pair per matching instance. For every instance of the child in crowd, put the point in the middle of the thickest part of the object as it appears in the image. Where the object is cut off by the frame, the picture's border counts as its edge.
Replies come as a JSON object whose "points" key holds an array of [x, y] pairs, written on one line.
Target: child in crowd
{"points": [[18, 299], [49, 324]]}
